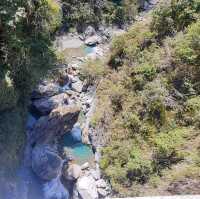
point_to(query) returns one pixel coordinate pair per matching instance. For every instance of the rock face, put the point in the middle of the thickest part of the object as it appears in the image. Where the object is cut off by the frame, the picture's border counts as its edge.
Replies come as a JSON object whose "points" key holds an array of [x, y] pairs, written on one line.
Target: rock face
{"points": [[86, 187], [46, 163], [45, 105], [46, 90], [55, 190], [58, 122]]}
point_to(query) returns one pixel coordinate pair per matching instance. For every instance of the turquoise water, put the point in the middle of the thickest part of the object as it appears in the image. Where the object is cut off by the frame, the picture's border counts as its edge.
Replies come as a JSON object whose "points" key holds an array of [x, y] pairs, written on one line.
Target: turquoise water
{"points": [[81, 152], [88, 49]]}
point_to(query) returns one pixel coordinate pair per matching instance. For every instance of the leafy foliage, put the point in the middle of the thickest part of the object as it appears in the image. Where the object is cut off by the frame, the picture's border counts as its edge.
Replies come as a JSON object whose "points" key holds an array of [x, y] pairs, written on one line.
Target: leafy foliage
{"points": [[174, 17], [151, 123], [26, 53], [79, 14]]}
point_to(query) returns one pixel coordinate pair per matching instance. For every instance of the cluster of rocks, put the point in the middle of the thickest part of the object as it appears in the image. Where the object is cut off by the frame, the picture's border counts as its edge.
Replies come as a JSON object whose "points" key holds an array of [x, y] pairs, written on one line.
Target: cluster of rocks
{"points": [[87, 182], [57, 103], [91, 37]]}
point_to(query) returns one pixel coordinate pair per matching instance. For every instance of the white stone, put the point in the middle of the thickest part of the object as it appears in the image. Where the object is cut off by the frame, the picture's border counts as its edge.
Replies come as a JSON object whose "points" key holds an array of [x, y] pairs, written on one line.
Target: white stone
{"points": [[95, 174], [101, 183], [85, 166], [87, 188], [73, 172], [77, 86]]}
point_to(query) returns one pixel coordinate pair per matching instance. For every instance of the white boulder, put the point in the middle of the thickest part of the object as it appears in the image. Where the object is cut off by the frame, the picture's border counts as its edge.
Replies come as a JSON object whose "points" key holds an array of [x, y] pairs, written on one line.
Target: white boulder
{"points": [[86, 187]]}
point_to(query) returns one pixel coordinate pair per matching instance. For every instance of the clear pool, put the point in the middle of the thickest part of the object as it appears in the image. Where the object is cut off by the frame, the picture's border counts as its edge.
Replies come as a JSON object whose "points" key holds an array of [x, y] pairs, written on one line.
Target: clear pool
{"points": [[72, 143], [88, 49]]}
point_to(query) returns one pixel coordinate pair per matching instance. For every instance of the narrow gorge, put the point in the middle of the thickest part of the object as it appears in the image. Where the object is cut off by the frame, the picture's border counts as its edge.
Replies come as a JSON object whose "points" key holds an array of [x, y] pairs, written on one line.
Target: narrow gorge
{"points": [[115, 115], [61, 157]]}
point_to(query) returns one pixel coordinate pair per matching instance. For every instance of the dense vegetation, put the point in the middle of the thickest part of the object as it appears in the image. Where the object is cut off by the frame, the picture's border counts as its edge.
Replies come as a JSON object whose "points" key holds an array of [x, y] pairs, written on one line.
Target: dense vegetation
{"points": [[26, 30], [78, 14], [149, 104]]}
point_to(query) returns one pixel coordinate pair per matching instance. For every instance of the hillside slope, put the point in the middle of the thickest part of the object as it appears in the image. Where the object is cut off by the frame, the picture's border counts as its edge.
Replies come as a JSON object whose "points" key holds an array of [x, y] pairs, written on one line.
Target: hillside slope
{"points": [[147, 114]]}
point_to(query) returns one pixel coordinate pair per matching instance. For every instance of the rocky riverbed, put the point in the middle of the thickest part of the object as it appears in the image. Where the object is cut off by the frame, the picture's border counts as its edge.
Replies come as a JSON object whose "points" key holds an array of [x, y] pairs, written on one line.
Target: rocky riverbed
{"points": [[58, 162]]}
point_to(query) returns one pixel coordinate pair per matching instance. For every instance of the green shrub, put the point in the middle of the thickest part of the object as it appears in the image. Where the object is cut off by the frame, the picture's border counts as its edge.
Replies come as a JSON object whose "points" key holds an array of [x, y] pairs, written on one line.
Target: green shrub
{"points": [[187, 49], [55, 15], [193, 105], [116, 175], [174, 17], [79, 14], [184, 12], [162, 22], [148, 71], [132, 122], [117, 96], [168, 147], [157, 111], [190, 115], [139, 168], [138, 82], [93, 71], [117, 51]]}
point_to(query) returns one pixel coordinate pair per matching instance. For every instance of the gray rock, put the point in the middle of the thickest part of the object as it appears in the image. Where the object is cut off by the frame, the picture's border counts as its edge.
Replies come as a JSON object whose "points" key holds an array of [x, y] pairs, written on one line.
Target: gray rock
{"points": [[86, 187], [101, 183], [95, 174], [58, 122], [90, 31], [102, 192], [72, 172], [93, 40], [77, 86], [46, 90], [45, 105], [46, 163], [75, 193], [55, 190]]}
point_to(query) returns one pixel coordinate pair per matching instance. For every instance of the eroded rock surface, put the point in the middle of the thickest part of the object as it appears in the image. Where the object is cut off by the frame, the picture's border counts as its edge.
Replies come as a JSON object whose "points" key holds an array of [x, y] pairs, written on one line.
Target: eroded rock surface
{"points": [[58, 122], [54, 189], [46, 89], [46, 163], [86, 187], [45, 105]]}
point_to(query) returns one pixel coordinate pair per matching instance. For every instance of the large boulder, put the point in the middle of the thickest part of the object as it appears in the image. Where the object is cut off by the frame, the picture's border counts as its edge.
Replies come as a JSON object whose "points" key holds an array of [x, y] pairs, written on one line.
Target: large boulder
{"points": [[90, 31], [56, 124], [46, 89], [45, 105], [73, 172], [54, 189], [86, 187], [77, 86], [46, 163], [93, 40]]}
